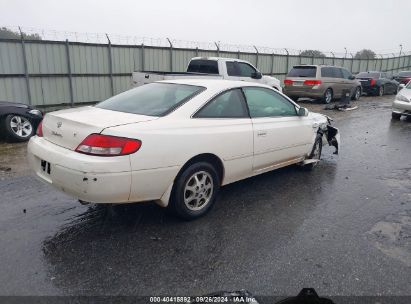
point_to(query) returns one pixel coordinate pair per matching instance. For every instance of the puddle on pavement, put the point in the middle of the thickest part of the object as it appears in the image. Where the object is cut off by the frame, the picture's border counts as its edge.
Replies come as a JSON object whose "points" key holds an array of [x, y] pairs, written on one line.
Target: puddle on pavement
{"points": [[392, 237]]}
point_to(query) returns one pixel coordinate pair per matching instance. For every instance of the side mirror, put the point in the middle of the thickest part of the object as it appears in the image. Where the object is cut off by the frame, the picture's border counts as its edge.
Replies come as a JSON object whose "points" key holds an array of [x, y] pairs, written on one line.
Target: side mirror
{"points": [[256, 75], [302, 111], [401, 86], [351, 77]]}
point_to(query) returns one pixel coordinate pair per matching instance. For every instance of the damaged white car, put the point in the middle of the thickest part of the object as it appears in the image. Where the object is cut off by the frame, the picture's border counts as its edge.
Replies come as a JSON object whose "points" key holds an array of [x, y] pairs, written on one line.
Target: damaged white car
{"points": [[175, 143]]}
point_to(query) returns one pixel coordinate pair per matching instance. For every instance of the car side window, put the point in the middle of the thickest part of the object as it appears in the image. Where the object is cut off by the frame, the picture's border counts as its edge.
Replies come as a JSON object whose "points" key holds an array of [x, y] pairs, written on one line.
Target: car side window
{"points": [[231, 68], [346, 74], [326, 72], [264, 102], [245, 70], [230, 104], [337, 73]]}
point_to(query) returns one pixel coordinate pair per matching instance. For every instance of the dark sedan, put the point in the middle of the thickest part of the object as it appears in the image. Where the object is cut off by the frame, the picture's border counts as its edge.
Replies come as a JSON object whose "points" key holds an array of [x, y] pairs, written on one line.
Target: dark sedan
{"points": [[403, 77], [377, 83], [19, 121]]}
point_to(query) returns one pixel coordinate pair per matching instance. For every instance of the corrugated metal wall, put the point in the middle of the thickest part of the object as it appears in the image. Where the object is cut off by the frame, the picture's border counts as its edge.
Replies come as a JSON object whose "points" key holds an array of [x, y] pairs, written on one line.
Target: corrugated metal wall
{"points": [[46, 73]]}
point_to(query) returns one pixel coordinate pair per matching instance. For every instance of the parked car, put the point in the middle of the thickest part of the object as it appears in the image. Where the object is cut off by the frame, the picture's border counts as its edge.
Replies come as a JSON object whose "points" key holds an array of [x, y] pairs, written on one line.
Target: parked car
{"points": [[175, 143], [321, 82], [403, 77], [377, 83], [19, 121], [211, 68], [402, 103]]}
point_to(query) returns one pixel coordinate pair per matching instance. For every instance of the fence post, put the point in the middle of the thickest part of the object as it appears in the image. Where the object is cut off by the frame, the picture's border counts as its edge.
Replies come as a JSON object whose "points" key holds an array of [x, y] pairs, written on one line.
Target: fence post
{"points": [[312, 59], [381, 60], [218, 49], [286, 61], [110, 65], [393, 61], [333, 58], [299, 57], [142, 57], [69, 73], [238, 54], [352, 63], [197, 51], [171, 54], [272, 63], [26, 70], [256, 56]]}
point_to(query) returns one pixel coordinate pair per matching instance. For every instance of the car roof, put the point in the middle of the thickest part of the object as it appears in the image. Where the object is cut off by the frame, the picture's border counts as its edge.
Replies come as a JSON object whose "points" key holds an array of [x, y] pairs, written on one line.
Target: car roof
{"points": [[215, 83], [219, 58]]}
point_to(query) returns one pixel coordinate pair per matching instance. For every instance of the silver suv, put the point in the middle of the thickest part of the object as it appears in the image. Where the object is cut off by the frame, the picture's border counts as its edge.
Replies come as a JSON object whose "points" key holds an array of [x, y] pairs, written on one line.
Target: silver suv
{"points": [[321, 81]]}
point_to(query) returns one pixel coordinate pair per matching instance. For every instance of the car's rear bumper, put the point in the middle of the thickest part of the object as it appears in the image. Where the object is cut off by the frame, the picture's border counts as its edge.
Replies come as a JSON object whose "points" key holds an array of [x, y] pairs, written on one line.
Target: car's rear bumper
{"points": [[303, 92], [401, 107], [369, 90], [97, 179]]}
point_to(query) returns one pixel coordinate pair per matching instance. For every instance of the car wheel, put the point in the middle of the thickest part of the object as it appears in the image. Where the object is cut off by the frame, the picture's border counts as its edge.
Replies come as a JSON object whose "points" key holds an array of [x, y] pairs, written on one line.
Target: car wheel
{"points": [[195, 191], [380, 91], [357, 94], [396, 90], [396, 116], [19, 128], [315, 152], [328, 96]]}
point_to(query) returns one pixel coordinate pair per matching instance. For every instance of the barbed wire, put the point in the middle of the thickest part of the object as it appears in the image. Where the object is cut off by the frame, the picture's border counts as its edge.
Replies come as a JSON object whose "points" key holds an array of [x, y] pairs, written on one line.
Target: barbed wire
{"points": [[102, 38]]}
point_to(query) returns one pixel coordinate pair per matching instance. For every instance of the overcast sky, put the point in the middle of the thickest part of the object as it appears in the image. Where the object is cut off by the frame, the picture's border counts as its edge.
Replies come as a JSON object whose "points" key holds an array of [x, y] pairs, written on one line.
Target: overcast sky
{"points": [[328, 25]]}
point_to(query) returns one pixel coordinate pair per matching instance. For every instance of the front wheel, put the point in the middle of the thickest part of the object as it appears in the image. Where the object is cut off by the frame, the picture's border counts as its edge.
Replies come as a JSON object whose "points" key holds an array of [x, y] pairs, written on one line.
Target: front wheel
{"points": [[328, 96], [357, 94], [315, 152], [195, 191], [19, 128]]}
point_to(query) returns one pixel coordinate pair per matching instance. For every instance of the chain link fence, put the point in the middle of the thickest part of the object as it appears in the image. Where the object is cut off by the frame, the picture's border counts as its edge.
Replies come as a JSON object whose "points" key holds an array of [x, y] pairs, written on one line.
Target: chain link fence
{"points": [[47, 68]]}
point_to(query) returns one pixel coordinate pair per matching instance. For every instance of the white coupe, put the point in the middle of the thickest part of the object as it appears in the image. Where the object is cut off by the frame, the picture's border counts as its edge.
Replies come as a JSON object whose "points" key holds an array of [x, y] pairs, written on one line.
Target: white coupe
{"points": [[175, 143]]}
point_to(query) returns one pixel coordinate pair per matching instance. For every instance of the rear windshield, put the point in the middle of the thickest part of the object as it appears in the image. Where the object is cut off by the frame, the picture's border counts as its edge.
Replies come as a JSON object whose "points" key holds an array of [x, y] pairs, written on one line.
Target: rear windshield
{"points": [[154, 99], [406, 74], [368, 75], [303, 71], [203, 66]]}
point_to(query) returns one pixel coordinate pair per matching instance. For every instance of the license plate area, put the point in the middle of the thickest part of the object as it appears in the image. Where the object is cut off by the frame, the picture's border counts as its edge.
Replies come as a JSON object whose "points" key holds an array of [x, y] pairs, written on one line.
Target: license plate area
{"points": [[298, 83], [45, 167]]}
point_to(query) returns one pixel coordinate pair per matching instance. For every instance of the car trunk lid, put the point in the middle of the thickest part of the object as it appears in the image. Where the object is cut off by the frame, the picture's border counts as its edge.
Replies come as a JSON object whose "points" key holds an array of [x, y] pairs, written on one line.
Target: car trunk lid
{"points": [[68, 128]]}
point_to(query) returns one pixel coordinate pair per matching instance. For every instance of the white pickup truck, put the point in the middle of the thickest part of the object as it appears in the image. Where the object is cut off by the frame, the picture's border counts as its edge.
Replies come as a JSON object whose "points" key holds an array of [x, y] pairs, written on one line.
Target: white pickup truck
{"points": [[211, 67]]}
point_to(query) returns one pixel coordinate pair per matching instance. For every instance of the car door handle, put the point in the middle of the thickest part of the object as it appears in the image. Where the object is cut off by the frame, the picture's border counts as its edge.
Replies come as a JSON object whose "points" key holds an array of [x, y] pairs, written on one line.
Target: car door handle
{"points": [[262, 133]]}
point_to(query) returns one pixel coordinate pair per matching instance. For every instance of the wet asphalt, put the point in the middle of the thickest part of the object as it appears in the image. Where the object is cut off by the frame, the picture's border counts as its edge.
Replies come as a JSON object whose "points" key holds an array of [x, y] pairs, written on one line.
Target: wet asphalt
{"points": [[343, 228]]}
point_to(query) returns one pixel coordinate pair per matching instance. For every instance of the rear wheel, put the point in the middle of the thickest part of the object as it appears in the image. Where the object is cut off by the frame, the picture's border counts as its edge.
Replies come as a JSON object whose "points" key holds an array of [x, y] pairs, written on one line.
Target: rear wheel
{"points": [[328, 96], [380, 91], [357, 94], [195, 191], [19, 128], [395, 116]]}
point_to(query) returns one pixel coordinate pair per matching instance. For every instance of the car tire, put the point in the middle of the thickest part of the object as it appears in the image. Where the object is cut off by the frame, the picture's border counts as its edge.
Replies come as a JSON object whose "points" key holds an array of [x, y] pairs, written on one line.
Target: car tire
{"points": [[194, 191], [328, 96], [396, 91], [357, 94], [315, 152], [380, 91], [395, 116], [19, 128]]}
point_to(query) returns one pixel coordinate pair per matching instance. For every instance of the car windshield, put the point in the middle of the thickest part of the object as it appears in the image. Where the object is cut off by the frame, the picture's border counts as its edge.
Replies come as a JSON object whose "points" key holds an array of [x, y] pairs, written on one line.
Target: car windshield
{"points": [[303, 71], [408, 86], [404, 74], [373, 75], [154, 99]]}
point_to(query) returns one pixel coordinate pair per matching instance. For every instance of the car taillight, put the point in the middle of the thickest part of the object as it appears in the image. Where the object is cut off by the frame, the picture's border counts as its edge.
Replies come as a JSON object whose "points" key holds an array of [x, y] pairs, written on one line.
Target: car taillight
{"points": [[312, 82], [39, 131], [372, 82], [288, 82], [106, 145]]}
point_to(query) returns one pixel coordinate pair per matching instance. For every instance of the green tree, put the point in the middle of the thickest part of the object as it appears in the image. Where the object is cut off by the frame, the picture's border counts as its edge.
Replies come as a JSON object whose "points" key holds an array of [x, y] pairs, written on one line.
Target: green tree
{"points": [[311, 53], [6, 33], [365, 54]]}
